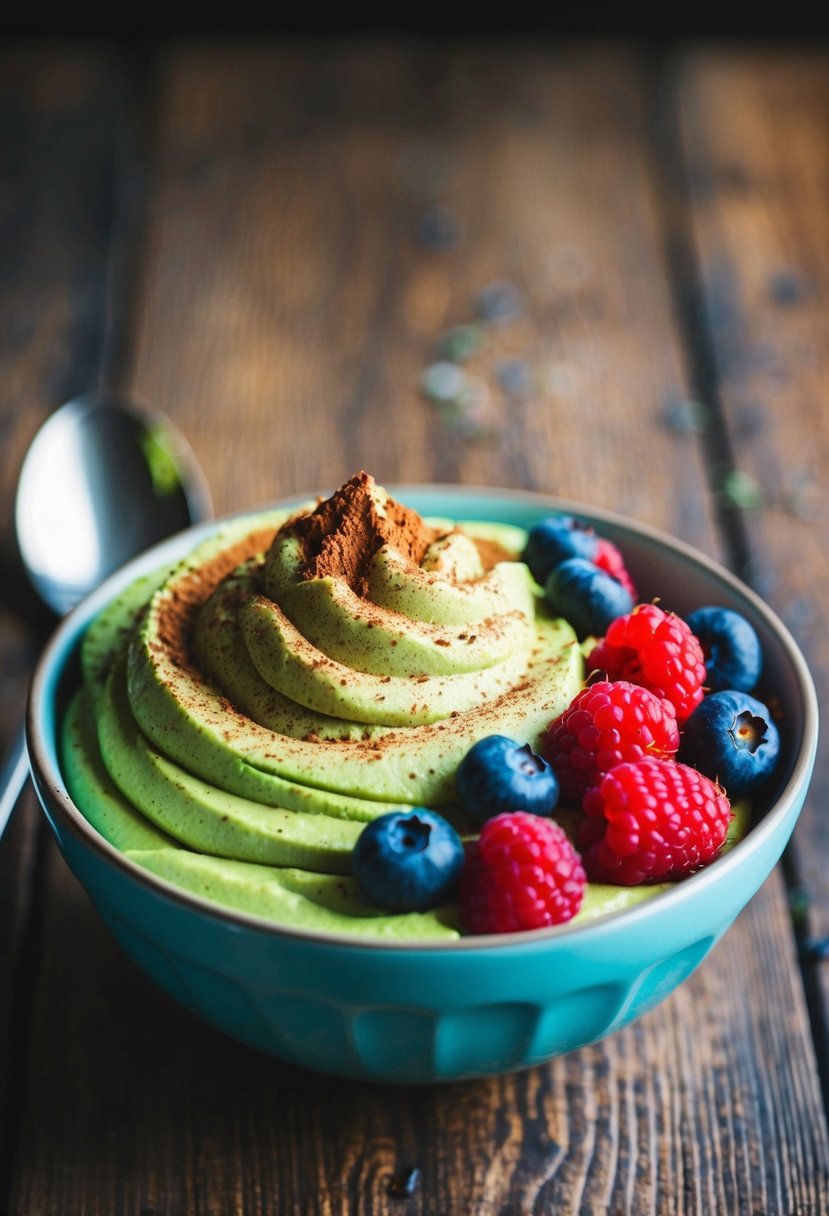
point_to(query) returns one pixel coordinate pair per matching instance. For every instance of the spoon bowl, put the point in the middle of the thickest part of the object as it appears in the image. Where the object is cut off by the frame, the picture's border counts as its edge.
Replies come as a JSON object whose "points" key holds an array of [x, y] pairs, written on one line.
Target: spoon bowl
{"points": [[104, 478]]}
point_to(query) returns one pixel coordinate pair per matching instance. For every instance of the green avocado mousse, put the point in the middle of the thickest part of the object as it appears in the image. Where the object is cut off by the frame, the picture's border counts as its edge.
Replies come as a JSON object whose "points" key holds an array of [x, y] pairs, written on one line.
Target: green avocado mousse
{"points": [[246, 713]]}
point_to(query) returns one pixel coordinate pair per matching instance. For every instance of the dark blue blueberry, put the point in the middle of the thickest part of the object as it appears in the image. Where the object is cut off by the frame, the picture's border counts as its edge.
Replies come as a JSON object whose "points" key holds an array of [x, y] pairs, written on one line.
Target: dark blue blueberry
{"points": [[553, 541], [790, 287], [499, 303], [407, 861], [439, 228], [685, 416], [733, 655], [514, 376], [731, 738], [498, 775], [586, 596]]}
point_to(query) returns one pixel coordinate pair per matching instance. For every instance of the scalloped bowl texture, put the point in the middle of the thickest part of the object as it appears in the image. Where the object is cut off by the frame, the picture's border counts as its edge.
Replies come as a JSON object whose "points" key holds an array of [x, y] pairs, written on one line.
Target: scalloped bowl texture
{"points": [[420, 1012]]}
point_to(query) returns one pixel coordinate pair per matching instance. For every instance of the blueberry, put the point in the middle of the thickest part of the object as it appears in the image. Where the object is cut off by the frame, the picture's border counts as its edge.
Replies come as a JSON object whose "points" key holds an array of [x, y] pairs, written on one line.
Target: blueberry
{"points": [[498, 775], [553, 541], [500, 303], [586, 596], [731, 738], [514, 376], [407, 861], [439, 228], [733, 655]]}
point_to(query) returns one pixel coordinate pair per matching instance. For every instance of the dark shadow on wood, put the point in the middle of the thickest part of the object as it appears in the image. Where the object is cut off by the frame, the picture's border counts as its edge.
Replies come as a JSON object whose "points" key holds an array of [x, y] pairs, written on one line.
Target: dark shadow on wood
{"points": [[87, 173], [708, 316], [697, 315], [24, 972]]}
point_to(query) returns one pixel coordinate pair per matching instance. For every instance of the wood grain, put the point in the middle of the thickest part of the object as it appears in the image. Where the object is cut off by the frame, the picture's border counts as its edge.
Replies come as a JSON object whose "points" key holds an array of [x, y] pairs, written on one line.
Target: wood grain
{"points": [[758, 190], [59, 127], [287, 314], [137, 1107], [290, 311]]}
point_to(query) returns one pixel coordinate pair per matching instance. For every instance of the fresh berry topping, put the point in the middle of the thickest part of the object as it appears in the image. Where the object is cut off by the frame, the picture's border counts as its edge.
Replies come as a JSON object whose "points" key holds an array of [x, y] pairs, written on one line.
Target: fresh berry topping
{"points": [[731, 738], [608, 558], [588, 597], [657, 650], [731, 648], [652, 820], [521, 873], [553, 541], [408, 860], [607, 724], [497, 775]]}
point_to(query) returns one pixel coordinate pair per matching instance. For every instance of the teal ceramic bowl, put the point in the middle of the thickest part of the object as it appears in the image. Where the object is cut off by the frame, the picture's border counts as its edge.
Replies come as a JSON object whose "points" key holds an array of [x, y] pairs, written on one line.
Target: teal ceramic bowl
{"points": [[426, 1013]]}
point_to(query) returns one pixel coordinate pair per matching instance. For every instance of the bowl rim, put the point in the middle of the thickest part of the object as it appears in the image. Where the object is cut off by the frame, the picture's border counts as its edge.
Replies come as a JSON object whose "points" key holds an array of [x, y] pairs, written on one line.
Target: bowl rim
{"points": [[63, 643]]}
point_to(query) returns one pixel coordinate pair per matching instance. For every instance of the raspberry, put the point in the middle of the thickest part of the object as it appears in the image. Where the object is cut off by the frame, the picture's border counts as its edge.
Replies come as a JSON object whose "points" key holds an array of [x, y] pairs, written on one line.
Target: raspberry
{"points": [[657, 650], [608, 558], [652, 820], [606, 724], [521, 873]]}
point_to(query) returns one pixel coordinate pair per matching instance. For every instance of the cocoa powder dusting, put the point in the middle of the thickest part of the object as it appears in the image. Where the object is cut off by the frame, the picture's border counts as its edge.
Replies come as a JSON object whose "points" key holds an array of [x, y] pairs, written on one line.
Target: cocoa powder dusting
{"points": [[491, 552], [342, 535], [178, 610], [338, 538]]}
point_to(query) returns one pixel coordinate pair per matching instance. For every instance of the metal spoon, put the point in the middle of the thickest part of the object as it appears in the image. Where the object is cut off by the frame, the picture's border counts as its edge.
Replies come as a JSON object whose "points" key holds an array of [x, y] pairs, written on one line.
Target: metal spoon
{"points": [[104, 478]]}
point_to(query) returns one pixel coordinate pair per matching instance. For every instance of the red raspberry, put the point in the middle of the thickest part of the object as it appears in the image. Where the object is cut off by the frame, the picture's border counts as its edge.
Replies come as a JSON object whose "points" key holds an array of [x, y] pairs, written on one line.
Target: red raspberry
{"points": [[657, 650], [521, 873], [608, 557], [606, 724], [652, 820]]}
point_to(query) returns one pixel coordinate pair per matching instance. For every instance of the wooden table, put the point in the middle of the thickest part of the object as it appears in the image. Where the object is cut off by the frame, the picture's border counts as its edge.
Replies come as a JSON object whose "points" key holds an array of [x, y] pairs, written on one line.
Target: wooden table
{"points": [[267, 239]]}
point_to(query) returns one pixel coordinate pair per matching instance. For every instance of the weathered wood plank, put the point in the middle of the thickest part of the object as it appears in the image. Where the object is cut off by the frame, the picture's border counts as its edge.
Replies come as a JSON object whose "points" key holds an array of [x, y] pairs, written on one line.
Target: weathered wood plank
{"points": [[291, 310], [142, 1108], [58, 138], [287, 317], [758, 208]]}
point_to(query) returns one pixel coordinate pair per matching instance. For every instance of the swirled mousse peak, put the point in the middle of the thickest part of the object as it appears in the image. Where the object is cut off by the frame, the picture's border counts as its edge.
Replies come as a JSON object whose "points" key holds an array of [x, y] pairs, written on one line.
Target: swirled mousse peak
{"points": [[341, 536], [298, 674], [364, 612]]}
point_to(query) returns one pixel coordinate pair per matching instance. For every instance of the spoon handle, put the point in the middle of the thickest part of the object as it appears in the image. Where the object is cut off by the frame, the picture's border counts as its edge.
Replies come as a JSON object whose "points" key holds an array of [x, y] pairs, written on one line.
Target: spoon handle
{"points": [[13, 776]]}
